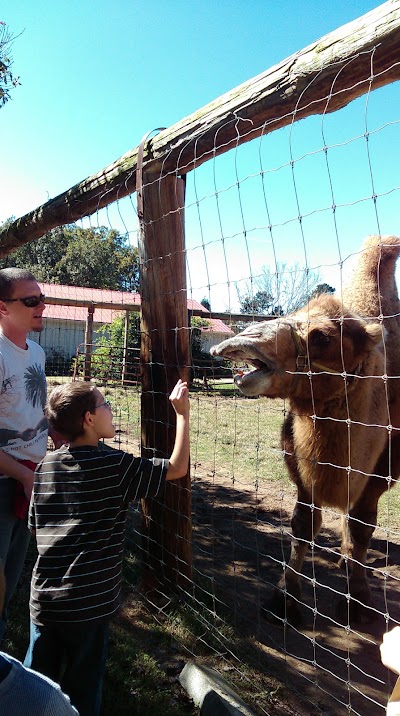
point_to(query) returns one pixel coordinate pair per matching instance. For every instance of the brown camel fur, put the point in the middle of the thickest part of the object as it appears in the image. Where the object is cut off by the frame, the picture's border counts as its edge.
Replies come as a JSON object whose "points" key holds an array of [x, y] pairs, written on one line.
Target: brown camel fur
{"points": [[337, 362]]}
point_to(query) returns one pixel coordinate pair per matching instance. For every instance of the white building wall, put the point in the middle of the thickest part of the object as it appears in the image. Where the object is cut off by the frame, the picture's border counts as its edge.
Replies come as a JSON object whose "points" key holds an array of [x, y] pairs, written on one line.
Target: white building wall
{"points": [[212, 339], [62, 337]]}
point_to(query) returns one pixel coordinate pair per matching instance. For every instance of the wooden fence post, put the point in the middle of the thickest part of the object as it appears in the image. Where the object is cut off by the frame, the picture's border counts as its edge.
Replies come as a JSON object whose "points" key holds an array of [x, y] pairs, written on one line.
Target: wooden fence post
{"points": [[165, 357], [125, 361], [89, 343]]}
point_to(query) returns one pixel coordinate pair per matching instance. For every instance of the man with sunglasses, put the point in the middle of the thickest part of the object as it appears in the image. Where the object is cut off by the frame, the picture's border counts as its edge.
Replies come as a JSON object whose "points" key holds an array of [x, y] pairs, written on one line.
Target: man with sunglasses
{"points": [[23, 424]]}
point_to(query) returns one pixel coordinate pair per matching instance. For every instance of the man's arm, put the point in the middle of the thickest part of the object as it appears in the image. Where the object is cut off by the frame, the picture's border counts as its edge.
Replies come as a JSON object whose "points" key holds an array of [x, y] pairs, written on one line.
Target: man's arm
{"points": [[12, 468]]}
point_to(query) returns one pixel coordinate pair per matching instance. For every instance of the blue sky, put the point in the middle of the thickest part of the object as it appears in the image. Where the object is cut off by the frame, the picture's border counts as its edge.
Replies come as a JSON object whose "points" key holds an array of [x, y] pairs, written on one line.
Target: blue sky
{"points": [[96, 76]]}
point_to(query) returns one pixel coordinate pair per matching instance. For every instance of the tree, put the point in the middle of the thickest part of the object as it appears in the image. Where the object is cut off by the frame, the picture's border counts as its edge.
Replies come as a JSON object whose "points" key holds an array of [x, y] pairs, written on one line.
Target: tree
{"points": [[7, 80], [279, 292], [94, 258], [196, 324], [259, 303], [322, 288], [109, 354], [206, 303]]}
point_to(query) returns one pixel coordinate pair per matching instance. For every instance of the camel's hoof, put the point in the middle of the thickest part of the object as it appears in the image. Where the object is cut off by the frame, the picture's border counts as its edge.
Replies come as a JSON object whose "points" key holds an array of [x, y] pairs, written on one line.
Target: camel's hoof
{"points": [[280, 607], [358, 611], [344, 562]]}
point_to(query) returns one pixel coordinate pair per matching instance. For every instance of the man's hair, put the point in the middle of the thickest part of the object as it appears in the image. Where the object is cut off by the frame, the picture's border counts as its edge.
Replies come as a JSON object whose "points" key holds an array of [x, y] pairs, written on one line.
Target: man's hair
{"points": [[67, 406], [9, 277]]}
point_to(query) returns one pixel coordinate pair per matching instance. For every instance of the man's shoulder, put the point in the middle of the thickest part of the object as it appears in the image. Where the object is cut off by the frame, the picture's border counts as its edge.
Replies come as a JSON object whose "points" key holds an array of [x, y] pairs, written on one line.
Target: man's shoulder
{"points": [[34, 347]]}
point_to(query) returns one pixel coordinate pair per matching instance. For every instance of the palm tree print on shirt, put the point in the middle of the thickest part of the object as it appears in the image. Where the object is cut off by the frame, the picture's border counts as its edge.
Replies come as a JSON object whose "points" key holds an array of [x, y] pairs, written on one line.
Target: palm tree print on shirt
{"points": [[35, 385]]}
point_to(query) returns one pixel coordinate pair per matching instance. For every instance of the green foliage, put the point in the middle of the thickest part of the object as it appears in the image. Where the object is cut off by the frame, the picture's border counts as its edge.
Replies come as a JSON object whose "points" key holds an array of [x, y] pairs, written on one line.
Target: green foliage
{"points": [[196, 324], [322, 288], [199, 322], [108, 354], [7, 80], [259, 303], [206, 303], [70, 255]]}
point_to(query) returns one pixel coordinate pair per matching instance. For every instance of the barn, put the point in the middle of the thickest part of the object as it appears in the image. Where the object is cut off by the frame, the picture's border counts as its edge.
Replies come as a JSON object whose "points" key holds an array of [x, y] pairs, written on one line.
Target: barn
{"points": [[65, 325]]}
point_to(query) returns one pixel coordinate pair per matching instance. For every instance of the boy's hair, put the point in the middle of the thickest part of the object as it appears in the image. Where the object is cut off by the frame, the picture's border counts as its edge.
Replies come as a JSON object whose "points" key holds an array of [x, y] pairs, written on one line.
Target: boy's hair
{"points": [[9, 277], [67, 406]]}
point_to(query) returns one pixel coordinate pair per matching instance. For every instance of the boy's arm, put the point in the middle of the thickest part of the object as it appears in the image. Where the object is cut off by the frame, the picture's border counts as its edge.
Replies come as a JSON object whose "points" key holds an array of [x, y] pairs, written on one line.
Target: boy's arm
{"points": [[179, 460]]}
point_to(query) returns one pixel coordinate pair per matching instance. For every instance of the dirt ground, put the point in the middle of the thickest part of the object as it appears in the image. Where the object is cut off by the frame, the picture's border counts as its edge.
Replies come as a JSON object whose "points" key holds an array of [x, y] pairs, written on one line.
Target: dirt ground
{"points": [[238, 542]]}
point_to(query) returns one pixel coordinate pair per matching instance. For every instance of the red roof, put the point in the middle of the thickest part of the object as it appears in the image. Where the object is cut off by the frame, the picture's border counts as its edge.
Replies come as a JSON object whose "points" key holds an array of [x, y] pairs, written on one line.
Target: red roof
{"points": [[79, 313], [108, 315], [100, 295], [217, 326]]}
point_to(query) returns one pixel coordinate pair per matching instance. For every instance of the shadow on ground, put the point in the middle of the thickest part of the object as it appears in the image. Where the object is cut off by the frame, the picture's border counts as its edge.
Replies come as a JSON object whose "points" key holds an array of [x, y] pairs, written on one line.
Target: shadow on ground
{"points": [[240, 542]]}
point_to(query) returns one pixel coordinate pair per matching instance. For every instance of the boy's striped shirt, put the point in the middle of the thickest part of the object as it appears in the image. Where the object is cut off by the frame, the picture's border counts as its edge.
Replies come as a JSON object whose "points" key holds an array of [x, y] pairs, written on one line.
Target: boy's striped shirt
{"points": [[78, 513]]}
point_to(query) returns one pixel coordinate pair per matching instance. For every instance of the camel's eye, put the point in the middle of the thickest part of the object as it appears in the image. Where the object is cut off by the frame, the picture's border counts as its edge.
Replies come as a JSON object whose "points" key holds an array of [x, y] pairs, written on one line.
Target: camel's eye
{"points": [[319, 339]]}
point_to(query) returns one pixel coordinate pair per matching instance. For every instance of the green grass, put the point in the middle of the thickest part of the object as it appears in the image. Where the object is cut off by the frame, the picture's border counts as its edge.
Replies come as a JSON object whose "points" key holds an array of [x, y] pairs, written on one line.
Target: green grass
{"points": [[237, 437], [233, 436]]}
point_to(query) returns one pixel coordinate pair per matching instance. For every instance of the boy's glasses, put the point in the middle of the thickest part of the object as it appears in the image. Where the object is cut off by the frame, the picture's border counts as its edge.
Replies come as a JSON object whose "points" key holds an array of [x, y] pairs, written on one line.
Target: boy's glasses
{"points": [[28, 301], [106, 403]]}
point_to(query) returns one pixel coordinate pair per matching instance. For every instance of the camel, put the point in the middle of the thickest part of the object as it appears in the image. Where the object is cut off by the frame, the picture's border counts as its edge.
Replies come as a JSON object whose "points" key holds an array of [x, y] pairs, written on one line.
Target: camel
{"points": [[337, 362]]}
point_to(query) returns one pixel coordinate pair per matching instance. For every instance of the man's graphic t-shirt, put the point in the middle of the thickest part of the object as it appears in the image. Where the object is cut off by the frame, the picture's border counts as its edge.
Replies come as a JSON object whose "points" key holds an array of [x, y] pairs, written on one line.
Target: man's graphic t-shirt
{"points": [[23, 424]]}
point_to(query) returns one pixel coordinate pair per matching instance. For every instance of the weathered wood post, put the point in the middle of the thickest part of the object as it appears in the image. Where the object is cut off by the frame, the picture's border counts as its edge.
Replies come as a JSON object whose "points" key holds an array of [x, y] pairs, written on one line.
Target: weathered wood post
{"points": [[88, 343], [165, 357], [125, 361]]}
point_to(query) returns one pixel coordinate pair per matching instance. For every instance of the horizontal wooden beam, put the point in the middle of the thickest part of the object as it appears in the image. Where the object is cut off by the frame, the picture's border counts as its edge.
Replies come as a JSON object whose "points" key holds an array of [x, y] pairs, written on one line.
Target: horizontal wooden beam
{"points": [[135, 307], [81, 302], [325, 76]]}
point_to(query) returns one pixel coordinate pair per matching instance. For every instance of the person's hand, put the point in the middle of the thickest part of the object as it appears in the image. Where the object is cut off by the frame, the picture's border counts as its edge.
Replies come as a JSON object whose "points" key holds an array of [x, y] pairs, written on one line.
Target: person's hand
{"points": [[180, 398], [390, 650], [26, 480]]}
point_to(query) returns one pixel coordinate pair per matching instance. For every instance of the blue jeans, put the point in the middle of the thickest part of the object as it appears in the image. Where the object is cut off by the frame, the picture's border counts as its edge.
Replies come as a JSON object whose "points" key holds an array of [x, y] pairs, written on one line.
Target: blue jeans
{"points": [[74, 656], [14, 541]]}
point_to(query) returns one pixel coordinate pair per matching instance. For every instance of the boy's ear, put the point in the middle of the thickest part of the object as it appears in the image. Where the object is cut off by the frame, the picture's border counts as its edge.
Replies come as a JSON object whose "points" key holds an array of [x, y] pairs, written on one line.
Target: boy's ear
{"points": [[88, 419]]}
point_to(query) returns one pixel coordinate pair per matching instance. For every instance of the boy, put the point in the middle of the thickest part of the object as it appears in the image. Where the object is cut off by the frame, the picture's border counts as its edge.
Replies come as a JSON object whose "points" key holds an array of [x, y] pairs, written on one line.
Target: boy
{"points": [[80, 498]]}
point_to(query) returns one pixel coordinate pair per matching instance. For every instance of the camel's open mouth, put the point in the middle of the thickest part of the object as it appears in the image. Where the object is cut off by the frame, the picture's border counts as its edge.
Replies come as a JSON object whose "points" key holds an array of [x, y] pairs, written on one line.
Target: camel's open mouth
{"points": [[259, 366]]}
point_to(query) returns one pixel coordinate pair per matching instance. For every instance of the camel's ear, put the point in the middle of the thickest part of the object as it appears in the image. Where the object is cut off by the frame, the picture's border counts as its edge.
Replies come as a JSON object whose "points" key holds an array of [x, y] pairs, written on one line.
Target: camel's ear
{"points": [[376, 333]]}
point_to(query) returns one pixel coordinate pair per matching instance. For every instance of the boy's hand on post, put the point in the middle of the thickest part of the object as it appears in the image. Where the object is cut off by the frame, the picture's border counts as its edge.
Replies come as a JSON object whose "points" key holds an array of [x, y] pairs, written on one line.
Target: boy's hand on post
{"points": [[179, 460], [180, 398]]}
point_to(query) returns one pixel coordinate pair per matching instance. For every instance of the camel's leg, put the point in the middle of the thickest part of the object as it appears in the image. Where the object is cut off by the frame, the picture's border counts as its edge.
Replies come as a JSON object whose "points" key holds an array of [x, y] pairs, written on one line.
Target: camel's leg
{"points": [[362, 524], [346, 547], [305, 523]]}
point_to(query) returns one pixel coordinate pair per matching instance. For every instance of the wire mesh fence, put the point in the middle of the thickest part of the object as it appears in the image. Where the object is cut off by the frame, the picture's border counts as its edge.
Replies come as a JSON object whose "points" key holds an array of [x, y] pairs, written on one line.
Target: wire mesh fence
{"points": [[269, 223]]}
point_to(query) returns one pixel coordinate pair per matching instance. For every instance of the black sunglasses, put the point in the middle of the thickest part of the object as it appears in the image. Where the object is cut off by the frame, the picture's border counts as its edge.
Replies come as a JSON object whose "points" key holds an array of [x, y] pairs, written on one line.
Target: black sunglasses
{"points": [[28, 301]]}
